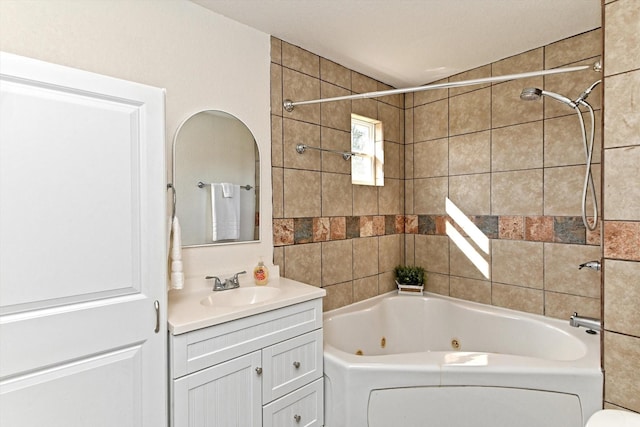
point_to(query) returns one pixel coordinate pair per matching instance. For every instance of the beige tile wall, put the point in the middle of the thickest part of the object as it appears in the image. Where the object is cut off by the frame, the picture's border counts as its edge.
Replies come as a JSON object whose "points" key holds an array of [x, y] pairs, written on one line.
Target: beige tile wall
{"points": [[328, 232], [516, 168], [621, 187]]}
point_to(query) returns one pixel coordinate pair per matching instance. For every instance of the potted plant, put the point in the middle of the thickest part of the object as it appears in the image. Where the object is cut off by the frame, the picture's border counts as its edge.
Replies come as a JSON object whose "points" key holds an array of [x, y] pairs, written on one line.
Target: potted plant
{"points": [[410, 279]]}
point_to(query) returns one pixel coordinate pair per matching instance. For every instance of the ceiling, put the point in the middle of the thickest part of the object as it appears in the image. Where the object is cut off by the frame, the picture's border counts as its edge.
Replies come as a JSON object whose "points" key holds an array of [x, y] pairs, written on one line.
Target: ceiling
{"points": [[413, 42]]}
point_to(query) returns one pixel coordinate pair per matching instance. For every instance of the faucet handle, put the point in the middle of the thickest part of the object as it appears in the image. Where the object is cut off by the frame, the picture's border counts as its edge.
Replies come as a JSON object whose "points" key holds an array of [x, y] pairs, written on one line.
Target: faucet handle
{"points": [[235, 277], [594, 265], [217, 284]]}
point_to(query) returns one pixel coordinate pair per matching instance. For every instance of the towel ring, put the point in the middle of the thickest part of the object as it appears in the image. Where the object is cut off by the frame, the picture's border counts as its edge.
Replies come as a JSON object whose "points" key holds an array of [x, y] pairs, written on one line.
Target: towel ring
{"points": [[173, 205]]}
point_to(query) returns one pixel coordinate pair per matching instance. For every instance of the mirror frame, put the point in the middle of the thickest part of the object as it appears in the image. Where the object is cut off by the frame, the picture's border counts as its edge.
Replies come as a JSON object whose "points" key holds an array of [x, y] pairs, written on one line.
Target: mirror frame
{"points": [[176, 197]]}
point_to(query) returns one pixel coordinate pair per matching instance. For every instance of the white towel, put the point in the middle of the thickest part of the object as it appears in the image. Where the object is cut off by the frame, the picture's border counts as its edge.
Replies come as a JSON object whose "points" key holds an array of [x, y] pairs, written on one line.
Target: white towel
{"points": [[225, 213], [227, 190], [177, 274]]}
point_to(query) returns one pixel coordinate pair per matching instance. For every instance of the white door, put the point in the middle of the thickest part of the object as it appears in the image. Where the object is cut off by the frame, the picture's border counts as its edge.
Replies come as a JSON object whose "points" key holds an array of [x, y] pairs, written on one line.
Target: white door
{"points": [[82, 249]]}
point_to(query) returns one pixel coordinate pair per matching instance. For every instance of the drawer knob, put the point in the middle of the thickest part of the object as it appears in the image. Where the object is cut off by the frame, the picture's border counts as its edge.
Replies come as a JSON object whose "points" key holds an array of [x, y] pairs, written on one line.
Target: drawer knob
{"points": [[259, 370], [297, 418], [296, 364]]}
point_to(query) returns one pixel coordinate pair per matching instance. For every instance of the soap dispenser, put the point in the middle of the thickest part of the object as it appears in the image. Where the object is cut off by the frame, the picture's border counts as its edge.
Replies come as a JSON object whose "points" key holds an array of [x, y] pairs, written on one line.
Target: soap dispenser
{"points": [[261, 274]]}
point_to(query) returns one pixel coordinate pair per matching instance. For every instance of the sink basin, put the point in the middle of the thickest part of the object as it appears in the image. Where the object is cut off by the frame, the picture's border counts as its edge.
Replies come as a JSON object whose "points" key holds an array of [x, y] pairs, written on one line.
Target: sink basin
{"points": [[241, 296]]}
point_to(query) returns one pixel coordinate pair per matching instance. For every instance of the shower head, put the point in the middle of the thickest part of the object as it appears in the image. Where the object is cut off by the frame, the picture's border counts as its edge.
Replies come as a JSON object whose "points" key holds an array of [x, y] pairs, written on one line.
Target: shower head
{"points": [[531, 94], [534, 93]]}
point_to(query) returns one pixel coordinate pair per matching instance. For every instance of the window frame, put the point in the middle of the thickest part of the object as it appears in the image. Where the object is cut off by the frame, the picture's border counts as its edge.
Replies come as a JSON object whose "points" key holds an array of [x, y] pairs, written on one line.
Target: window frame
{"points": [[373, 152]]}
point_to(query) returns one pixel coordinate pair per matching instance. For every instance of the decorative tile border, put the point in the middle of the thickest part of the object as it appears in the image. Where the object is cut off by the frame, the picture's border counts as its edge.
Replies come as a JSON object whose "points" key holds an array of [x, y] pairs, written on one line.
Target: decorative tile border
{"points": [[548, 229], [622, 240], [293, 231]]}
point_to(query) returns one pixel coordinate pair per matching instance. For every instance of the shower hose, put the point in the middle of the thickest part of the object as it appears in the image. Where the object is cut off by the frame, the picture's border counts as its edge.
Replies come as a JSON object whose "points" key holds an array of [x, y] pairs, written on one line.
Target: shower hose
{"points": [[588, 177]]}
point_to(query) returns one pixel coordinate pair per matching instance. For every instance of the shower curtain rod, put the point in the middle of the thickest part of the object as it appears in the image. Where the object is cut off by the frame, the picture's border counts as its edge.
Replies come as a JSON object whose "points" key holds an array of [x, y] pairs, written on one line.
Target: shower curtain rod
{"points": [[289, 105]]}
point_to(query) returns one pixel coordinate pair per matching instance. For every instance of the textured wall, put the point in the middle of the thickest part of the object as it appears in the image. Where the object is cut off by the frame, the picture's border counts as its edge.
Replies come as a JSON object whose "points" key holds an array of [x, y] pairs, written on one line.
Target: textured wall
{"points": [[346, 238], [621, 183], [516, 168]]}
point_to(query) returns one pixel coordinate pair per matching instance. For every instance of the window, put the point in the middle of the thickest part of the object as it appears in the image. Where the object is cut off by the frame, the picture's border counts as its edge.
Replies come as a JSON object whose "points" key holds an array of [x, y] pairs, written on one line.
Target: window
{"points": [[367, 163]]}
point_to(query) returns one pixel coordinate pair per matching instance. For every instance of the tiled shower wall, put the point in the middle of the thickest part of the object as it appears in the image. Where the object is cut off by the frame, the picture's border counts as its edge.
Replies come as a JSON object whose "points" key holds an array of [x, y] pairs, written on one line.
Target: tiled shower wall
{"points": [[514, 167], [517, 169], [622, 204], [511, 165], [327, 232]]}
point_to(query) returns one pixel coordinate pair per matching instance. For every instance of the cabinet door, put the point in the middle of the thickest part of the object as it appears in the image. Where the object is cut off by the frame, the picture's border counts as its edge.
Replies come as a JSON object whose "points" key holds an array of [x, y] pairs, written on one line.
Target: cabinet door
{"points": [[224, 395]]}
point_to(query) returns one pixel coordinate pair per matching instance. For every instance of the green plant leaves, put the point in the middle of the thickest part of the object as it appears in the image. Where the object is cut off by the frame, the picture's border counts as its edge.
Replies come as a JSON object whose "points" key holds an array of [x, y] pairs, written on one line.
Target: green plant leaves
{"points": [[409, 275]]}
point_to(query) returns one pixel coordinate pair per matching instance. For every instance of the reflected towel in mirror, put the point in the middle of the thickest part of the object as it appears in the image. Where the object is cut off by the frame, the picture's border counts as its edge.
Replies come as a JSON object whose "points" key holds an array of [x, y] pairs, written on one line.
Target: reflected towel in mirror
{"points": [[225, 213], [227, 189]]}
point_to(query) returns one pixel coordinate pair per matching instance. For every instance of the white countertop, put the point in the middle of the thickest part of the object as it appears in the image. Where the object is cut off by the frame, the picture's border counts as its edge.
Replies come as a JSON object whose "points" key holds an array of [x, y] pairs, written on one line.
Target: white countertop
{"points": [[186, 313]]}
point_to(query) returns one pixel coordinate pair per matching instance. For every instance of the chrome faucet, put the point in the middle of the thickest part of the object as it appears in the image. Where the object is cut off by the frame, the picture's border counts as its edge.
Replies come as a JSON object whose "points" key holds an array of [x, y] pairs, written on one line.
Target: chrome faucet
{"points": [[594, 265], [229, 283], [234, 281], [217, 285], [591, 323]]}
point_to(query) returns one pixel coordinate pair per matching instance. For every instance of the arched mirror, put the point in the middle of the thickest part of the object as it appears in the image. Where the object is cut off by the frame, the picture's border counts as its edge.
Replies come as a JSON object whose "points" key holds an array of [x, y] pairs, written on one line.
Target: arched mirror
{"points": [[216, 173]]}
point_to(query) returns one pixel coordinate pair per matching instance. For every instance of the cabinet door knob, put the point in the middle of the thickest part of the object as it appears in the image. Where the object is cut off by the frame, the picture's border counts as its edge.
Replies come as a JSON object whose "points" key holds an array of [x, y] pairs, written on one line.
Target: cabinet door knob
{"points": [[259, 370], [297, 418], [296, 364]]}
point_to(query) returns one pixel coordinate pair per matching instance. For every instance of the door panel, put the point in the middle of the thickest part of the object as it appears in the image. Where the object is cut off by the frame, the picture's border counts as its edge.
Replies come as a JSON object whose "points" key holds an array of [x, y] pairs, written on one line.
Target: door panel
{"points": [[29, 395], [70, 205], [82, 248]]}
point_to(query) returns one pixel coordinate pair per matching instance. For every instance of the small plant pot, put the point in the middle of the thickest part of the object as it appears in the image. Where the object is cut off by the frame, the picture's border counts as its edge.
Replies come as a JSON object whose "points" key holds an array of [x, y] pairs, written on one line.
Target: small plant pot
{"points": [[404, 289]]}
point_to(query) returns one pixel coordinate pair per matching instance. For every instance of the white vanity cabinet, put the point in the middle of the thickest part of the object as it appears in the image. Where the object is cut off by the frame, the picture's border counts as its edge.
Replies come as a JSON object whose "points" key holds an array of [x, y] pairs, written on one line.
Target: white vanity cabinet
{"points": [[260, 370]]}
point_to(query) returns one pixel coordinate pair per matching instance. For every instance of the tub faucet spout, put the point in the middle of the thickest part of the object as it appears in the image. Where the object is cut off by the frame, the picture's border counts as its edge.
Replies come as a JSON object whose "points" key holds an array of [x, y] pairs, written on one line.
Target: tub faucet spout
{"points": [[590, 323]]}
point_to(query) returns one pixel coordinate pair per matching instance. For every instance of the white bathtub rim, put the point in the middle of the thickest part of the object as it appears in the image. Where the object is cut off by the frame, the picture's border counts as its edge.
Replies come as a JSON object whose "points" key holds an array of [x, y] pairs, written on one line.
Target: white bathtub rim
{"points": [[591, 343], [485, 308]]}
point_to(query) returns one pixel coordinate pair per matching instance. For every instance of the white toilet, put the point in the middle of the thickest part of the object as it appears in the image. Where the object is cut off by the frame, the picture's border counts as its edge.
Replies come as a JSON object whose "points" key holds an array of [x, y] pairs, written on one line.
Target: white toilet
{"points": [[614, 418]]}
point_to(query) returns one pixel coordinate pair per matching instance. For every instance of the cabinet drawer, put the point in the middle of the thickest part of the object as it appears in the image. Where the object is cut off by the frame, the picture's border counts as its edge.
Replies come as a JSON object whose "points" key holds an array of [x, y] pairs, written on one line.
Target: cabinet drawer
{"points": [[200, 349], [302, 408], [291, 364]]}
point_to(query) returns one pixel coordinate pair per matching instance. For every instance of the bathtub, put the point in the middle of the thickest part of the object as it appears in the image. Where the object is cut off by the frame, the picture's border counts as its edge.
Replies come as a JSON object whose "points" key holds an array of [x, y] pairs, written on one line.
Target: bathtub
{"points": [[404, 361]]}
